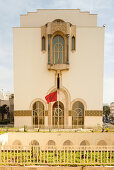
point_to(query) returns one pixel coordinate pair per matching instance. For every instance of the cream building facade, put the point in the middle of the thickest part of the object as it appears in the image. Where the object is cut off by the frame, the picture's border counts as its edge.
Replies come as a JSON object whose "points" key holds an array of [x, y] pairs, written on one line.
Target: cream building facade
{"points": [[58, 46]]}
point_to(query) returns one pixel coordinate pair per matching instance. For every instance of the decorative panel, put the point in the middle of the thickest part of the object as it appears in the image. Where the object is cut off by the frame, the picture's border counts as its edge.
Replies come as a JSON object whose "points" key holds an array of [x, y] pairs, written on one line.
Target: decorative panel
{"points": [[93, 113], [23, 113], [46, 112]]}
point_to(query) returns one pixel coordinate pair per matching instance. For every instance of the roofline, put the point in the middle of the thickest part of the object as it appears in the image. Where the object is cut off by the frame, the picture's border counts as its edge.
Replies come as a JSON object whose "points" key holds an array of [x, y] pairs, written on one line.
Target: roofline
{"points": [[58, 10]]}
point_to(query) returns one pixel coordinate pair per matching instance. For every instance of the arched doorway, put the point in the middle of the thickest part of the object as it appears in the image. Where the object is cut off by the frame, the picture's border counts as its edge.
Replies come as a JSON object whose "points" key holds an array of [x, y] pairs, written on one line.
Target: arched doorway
{"points": [[77, 115], [38, 114], [58, 115]]}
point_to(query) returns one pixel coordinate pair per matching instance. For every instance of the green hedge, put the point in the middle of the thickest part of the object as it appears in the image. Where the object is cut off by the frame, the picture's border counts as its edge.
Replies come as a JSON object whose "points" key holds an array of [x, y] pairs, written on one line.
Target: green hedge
{"points": [[3, 122]]}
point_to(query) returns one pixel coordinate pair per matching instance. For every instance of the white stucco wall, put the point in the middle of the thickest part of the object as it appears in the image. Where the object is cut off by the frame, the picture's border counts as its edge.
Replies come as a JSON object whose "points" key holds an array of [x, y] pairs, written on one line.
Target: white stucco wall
{"points": [[60, 138], [21, 121], [74, 16], [83, 80], [31, 76], [92, 121], [85, 77]]}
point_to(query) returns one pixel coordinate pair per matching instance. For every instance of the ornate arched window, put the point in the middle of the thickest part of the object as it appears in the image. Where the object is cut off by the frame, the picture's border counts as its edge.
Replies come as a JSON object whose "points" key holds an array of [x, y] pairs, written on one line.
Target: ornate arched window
{"points": [[38, 114], [77, 114], [58, 50], [58, 115]]}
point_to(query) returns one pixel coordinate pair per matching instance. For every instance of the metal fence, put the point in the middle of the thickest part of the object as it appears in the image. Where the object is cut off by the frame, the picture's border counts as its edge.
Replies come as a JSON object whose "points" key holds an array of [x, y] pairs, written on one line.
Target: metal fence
{"points": [[52, 155]]}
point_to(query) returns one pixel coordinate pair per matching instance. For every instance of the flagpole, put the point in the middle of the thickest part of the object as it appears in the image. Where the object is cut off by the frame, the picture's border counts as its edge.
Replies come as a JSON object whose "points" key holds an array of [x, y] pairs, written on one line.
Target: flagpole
{"points": [[58, 86], [58, 105]]}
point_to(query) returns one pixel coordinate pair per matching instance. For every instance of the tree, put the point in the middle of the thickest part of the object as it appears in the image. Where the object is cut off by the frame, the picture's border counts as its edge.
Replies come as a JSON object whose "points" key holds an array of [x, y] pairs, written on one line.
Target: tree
{"points": [[4, 110], [106, 111]]}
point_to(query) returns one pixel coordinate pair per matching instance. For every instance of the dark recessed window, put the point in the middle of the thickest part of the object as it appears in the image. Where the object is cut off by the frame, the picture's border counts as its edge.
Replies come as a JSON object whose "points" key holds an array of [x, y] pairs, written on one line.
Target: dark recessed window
{"points": [[43, 43], [73, 43]]}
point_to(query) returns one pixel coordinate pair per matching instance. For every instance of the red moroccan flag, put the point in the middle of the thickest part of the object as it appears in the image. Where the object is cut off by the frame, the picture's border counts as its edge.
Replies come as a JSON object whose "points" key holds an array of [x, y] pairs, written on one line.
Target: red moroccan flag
{"points": [[51, 97]]}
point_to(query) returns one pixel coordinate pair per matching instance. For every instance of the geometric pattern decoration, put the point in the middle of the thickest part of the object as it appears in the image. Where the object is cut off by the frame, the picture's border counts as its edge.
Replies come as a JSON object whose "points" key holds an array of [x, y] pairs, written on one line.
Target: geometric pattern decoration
{"points": [[29, 113], [23, 113], [89, 113], [46, 112], [93, 112]]}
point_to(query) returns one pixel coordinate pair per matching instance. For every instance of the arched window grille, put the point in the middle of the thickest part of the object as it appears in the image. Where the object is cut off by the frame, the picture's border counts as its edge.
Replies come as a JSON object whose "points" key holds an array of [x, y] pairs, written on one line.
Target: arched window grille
{"points": [[58, 50], [43, 44], [38, 114], [73, 43], [84, 143], [102, 143], [58, 115], [77, 114], [34, 142], [67, 143], [51, 142]]}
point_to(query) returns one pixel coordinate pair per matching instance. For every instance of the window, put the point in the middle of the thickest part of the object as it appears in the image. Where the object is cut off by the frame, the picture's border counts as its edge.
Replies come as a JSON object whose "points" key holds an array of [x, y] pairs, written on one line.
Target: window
{"points": [[38, 114], [34, 142], [43, 43], [84, 143], [58, 115], [101, 143], [67, 142], [51, 142], [58, 50], [73, 43], [58, 21], [17, 142], [77, 114]]}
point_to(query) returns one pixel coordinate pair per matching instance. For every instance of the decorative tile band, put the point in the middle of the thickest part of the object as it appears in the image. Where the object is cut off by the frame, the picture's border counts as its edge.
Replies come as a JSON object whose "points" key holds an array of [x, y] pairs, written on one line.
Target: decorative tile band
{"points": [[23, 113], [93, 112], [46, 112], [90, 112], [29, 113]]}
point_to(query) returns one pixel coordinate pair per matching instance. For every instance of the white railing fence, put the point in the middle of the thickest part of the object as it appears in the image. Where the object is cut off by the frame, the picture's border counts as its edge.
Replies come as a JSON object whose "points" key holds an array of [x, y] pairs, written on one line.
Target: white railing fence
{"points": [[52, 155]]}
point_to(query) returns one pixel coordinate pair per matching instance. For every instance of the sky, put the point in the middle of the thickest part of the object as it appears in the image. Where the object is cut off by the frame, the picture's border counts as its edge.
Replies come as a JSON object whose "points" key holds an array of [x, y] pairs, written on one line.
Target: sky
{"points": [[10, 11]]}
